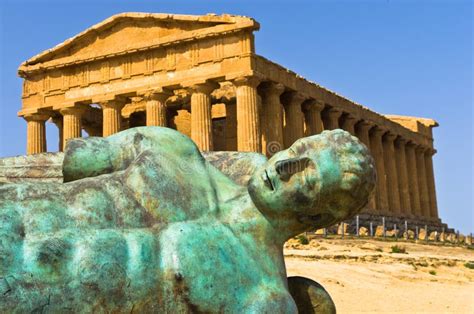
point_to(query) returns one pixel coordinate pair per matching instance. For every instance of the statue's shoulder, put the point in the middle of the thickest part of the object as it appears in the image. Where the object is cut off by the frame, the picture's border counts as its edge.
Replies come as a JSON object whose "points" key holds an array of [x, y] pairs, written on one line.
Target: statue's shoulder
{"points": [[157, 138]]}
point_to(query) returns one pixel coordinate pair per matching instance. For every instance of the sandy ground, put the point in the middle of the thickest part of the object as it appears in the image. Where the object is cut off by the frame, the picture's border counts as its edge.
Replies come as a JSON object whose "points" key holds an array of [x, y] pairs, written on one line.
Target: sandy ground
{"points": [[364, 276]]}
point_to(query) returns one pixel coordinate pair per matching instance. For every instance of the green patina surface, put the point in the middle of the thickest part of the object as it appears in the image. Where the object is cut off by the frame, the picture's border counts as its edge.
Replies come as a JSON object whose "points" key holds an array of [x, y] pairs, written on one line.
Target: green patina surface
{"points": [[143, 223]]}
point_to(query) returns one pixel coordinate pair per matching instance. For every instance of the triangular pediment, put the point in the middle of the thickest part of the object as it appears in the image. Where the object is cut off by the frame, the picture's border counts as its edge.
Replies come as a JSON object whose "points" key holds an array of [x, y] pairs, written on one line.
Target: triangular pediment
{"points": [[135, 31]]}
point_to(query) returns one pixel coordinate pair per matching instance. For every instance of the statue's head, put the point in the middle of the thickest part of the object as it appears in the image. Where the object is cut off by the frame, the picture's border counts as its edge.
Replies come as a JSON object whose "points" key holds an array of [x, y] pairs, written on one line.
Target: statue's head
{"points": [[320, 180]]}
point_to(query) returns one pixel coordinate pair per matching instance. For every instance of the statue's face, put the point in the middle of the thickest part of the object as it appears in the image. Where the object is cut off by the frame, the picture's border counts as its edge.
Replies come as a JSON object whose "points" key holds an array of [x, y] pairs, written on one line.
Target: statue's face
{"points": [[294, 182]]}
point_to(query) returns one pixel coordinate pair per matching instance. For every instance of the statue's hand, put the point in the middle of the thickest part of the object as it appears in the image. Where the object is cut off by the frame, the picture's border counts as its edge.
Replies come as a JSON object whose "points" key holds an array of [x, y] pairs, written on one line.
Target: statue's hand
{"points": [[310, 296]]}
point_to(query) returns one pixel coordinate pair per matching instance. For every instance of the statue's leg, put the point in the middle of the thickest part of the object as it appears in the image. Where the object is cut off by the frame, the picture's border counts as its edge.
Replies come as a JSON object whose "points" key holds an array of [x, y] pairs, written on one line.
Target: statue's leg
{"points": [[310, 296]]}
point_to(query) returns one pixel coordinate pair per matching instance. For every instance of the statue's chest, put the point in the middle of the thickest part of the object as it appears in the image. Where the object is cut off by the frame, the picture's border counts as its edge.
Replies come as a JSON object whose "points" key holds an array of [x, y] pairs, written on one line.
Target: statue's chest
{"points": [[212, 267]]}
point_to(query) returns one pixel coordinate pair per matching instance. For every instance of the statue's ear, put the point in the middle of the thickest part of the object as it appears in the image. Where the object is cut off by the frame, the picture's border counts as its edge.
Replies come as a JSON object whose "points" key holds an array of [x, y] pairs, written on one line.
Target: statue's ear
{"points": [[310, 297], [86, 157]]}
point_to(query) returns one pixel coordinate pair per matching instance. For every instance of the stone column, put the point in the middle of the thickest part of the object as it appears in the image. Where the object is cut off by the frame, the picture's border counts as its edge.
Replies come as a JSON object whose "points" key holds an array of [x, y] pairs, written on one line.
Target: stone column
{"points": [[391, 171], [377, 153], [36, 133], [201, 119], [58, 121], [332, 119], [423, 184], [312, 115], [362, 132], [413, 185], [294, 124], [111, 116], [273, 122], [349, 124], [403, 183], [71, 123], [431, 182], [248, 122], [156, 108]]}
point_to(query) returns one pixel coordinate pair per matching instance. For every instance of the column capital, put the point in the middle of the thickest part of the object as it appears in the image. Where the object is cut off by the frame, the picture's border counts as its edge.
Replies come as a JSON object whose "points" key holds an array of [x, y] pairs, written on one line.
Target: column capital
{"points": [[365, 125], [41, 117], [294, 98], [334, 112], [350, 119], [116, 103], [72, 111], [421, 149], [401, 141], [160, 95], [390, 136], [313, 104], [431, 151], [379, 131], [205, 88], [252, 81], [272, 88]]}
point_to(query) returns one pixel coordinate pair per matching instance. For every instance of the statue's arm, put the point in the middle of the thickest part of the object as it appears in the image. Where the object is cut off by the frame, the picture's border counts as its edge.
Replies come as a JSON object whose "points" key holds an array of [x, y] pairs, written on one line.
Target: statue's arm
{"points": [[238, 166], [93, 156]]}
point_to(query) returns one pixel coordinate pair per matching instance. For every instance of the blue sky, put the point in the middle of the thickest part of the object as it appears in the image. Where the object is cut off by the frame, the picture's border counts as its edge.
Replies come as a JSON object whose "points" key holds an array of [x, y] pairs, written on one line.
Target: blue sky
{"points": [[396, 57]]}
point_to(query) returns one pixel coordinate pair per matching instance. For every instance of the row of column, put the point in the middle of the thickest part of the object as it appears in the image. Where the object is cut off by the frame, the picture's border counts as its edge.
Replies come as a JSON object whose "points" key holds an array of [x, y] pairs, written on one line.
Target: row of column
{"points": [[406, 183], [270, 122], [248, 124]]}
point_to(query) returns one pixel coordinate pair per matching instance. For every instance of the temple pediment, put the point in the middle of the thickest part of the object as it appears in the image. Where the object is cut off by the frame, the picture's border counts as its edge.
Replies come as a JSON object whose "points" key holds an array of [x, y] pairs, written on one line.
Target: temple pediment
{"points": [[131, 32]]}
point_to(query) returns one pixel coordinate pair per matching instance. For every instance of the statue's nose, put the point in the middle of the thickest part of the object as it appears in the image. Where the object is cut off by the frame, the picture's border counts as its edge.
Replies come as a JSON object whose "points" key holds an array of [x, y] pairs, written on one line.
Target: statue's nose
{"points": [[288, 167]]}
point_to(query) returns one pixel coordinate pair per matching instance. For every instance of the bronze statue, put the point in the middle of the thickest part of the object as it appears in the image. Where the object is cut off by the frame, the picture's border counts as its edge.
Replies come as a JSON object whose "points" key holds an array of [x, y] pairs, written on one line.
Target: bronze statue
{"points": [[143, 223]]}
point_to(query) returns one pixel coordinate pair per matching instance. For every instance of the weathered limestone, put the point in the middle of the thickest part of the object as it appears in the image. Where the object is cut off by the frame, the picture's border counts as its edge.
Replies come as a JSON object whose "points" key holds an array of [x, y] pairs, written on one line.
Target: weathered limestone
{"points": [[423, 184], [111, 117], [248, 122], [431, 183], [412, 170], [349, 124], [377, 153], [403, 184], [312, 116], [332, 119], [36, 133], [231, 125], [201, 122], [71, 123], [294, 120], [156, 108], [362, 132], [391, 171], [272, 129]]}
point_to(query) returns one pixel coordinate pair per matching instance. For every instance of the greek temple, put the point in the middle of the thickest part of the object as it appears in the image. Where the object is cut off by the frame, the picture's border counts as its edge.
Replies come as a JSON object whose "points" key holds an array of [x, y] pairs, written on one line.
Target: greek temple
{"points": [[201, 76]]}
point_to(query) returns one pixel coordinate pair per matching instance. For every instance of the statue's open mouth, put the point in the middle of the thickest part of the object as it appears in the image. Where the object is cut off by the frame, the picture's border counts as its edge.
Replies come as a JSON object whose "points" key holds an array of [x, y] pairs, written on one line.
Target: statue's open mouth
{"points": [[267, 181]]}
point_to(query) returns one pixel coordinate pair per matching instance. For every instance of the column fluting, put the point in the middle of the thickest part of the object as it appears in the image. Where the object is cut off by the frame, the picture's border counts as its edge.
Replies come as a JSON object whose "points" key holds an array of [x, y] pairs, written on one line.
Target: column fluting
{"points": [[201, 119], [413, 183], [391, 171], [431, 182], [36, 133], [272, 124], [294, 120], [312, 114], [377, 153], [423, 184], [111, 117], [349, 124], [248, 120], [156, 108], [403, 183], [362, 132], [71, 123], [332, 119]]}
